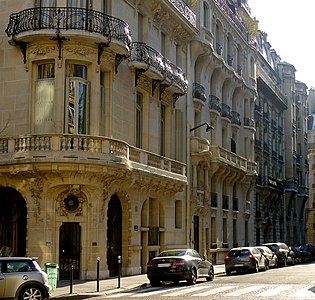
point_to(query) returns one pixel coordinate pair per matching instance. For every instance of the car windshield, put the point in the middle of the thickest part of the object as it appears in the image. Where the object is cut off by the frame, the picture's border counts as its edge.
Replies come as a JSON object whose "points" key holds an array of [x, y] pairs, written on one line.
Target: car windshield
{"points": [[172, 253], [274, 248], [239, 252]]}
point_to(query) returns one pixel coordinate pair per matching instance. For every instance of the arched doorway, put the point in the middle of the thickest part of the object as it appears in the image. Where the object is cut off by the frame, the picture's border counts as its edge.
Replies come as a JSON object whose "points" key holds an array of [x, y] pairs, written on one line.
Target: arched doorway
{"points": [[114, 234], [12, 223]]}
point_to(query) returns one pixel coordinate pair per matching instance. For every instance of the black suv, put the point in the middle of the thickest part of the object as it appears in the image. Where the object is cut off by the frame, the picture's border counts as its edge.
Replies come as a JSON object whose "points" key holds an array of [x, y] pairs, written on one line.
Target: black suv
{"points": [[284, 254]]}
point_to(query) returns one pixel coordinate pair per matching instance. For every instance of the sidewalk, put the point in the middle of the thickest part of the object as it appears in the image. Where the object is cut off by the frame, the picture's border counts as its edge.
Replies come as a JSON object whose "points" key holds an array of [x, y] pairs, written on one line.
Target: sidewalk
{"points": [[107, 286]]}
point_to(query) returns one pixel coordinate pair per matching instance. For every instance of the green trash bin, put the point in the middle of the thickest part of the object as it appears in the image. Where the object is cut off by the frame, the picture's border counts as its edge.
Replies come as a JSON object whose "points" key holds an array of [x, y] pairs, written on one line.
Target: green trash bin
{"points": [[52, 271]]}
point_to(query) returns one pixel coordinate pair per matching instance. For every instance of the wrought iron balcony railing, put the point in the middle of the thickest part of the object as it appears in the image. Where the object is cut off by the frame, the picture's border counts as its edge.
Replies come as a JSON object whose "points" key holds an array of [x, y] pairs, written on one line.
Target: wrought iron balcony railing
{"points": [[249, 122], [185, 10], [235, 118], [214, 103], [232, 16], [199, 92], [226, 111], [144, 54], [61, 19]]}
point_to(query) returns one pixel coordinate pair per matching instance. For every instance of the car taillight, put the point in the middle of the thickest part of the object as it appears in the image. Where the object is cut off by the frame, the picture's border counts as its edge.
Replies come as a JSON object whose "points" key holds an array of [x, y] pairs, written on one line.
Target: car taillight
{"points": [[151, 264], [178, 263], [227, 258], [251, 256]]}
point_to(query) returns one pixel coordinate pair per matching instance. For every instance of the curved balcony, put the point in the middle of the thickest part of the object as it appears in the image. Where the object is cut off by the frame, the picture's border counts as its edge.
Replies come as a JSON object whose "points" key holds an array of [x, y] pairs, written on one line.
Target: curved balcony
{"points": [[214, 106], [90, 152], [69, 22], [227, 158], [235, 119], [147, 60], [198, 95]]}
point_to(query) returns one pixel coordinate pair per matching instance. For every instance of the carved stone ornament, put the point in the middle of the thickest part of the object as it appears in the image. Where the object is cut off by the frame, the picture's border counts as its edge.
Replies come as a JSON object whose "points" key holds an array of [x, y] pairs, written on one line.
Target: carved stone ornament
{"points": [[71, 201], [80, 50], [42, 50]]}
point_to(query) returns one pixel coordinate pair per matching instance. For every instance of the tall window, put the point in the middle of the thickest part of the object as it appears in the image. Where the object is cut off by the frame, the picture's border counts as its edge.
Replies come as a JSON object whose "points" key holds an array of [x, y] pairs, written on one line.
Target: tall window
{"points": [[139, 119], [44, 98], [162, 130], [178, 134], [140, 28], [78, 3], [178, 213], [77, 119], [205, 15], [102, 104], [45, 17], [104, 6], [163, 43], [45, 3]]}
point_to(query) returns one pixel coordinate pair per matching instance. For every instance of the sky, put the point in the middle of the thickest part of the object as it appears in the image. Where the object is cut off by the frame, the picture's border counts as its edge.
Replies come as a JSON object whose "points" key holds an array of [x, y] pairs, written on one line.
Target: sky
{"points": [[290, 26]]}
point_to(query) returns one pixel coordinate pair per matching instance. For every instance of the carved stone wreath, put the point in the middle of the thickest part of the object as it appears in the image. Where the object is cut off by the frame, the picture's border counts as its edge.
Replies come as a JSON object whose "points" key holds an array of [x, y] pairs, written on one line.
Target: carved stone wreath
{"points": [[71, 201]]}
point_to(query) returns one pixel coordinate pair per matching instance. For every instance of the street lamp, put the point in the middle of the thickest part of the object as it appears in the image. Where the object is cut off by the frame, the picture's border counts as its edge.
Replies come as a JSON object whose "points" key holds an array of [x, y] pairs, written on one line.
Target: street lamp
{"points": [[208, 127]]}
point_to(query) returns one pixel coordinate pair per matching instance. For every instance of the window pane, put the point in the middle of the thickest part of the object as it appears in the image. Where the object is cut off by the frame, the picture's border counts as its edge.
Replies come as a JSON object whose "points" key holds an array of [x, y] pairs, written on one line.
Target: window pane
{"points": [[44, 99], [139, 112], [78, 100]]}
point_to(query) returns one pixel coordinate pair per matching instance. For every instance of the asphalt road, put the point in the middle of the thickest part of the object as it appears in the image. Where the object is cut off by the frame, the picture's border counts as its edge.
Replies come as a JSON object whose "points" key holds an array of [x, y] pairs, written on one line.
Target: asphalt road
{"points": [[292, 282]]}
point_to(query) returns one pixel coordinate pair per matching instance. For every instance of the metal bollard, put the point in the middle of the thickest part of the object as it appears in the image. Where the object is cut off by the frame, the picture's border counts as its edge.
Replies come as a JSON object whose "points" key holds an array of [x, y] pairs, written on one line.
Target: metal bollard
{"points": [[98, 275], [71, 279], [119, 269]]}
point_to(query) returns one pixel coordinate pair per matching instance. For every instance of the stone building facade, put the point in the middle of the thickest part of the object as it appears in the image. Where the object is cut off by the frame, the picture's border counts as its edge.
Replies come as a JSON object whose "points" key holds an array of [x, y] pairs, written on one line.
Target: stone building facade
{"points": [[126, 128], [310, 206], [280, 149]]}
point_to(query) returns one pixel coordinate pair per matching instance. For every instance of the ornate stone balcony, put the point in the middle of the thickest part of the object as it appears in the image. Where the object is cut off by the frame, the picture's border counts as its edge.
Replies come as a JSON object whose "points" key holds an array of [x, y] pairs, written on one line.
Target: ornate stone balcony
{"points": [[69, 23], [199, 145], [87, 152], [226, 157], [145, 59]]}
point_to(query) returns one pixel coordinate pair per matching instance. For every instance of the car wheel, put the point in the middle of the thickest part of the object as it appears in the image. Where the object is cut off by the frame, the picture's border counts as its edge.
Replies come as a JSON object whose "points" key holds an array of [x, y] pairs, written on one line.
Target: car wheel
{"points": [[285, 262], [193, 277], [293, 261], [176, 282], [228, 272], [211, 274], [154, 282], [31, 292]]}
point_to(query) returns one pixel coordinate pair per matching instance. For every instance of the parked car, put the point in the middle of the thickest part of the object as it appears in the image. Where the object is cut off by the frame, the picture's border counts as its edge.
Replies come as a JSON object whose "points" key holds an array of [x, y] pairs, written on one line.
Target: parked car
{"points": [[284, 253], [22, 278], [272, 258], [179, 264], [245, 259], [301, 255]]}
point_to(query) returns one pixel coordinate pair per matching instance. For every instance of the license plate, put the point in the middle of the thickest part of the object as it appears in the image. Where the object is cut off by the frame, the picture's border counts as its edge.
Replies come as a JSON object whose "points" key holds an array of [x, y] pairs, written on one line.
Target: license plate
{"points": [[238, 265], [165, 265]]}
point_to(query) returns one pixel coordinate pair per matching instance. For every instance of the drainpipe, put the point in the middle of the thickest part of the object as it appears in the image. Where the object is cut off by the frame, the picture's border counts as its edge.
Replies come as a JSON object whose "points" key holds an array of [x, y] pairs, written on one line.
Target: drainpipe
{"points": [[188, 187]]}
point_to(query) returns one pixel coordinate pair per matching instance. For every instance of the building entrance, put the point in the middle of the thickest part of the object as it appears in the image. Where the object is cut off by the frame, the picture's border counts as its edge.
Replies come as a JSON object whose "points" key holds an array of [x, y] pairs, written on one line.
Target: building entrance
{"points": [[12, 223], [114, 234], [69, 250]]}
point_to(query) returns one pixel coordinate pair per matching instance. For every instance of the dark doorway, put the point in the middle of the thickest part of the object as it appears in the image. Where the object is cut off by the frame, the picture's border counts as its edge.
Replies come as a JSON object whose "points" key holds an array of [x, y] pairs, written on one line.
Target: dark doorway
{"points": [[69, 250], [196, 233], [12, 223], [114, 234]]}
